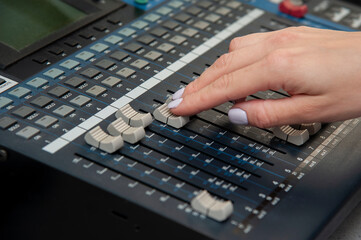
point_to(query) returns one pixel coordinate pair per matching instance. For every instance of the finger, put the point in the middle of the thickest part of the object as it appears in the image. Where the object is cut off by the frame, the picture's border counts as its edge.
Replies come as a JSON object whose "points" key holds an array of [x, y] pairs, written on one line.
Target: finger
{"points": [[269, 113], [232, 86], [226, 64]]}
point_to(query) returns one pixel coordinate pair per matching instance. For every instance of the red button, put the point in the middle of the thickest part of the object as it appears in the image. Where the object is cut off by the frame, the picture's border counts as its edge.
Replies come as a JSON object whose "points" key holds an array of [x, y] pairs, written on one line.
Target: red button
{"points": [[288, 7]]}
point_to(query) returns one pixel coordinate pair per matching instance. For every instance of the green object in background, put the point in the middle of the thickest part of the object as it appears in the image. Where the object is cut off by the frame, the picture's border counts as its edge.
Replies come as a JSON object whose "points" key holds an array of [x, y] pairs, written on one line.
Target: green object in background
{"points": [[24, 22], [141, 1]]}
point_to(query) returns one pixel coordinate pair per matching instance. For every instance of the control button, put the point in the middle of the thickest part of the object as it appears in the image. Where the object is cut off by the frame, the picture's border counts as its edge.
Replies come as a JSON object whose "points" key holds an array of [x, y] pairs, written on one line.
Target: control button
{"points": [[178, 39], [86, 34], [37, 82], [133, 47], [46, 121], [141, 1], [295, 8], [7, 122], [90, 72], [140, 64], [118, 55], [165, 47], [101, 27], [212, 18], [85, 55], [69, 64], [175, 4], [204, 4], [71, 42], [128, 133], [134, 118], [40, 59], [19, 92], [164, 115], [63, 111], [312, 128], [74, 82], [56, 50], [114, 19], [140, 24], [234, 4], [23, 111], [125, 72], [99, 47], [223, 11], [113, 39], [4, 102], [152, 17], [164, 10], [171, 25], [99, 139], [111, 81], [41, 101], [291, 135], [2, 81], [194, 10], [105, 64], [159, 32], [201, 25], [58, 91], [189, 32], [54, 73], [213, 208], [95, 91], [27, 132], [153, 55], [182, 17], [80, 101], [127, 32], [146, 39]]}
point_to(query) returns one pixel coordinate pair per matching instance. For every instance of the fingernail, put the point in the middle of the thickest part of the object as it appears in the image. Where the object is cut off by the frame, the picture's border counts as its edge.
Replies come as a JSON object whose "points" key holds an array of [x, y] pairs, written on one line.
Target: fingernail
{"points": [[238, 116], [178, 94], [175, 103]]}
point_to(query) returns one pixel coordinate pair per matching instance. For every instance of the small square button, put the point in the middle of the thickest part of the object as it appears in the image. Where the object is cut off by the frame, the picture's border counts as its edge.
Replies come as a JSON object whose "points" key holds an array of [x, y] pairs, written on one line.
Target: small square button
{"points": [[170, 24], [74, 82], [201, 25], [54, 73], [4, 102], [58, 91], [140, 24], [46, 121], [80, 101], [113, 39], [37, 82], [27, 132], [175, 4], [153, 55], [194, 10], [127, 32], [146, 39], [41, 101], [105, 64], [118, 55], [189, 32], [111, 81], [125, 72], [90, 72], [164, 10], [165, 47], [96, 91], [140, 64], [212, 18], [7, 122], [159, 32], [234, 4], [178, 39], [133, 47], [19, 92], [182, 17], [99, 47], [23, 111], [152, 17], [204, 4], [69, 64], [223, 11], [85, 56], [63, 111]]}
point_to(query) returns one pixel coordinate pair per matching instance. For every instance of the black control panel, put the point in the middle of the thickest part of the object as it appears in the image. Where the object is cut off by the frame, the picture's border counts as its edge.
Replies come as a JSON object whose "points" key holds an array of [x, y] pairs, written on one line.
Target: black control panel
{"points": [[88, 148]]}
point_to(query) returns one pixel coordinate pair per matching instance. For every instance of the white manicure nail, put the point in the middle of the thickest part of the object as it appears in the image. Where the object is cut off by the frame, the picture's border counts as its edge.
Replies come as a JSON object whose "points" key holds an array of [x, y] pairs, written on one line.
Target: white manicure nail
{"points": [[175, 103], [238, 116], [178, 94]]}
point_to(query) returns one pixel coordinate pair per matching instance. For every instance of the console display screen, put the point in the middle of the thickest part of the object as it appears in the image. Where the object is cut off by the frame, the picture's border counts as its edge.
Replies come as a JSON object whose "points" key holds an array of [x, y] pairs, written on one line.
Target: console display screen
{"points": [[24, 22]]}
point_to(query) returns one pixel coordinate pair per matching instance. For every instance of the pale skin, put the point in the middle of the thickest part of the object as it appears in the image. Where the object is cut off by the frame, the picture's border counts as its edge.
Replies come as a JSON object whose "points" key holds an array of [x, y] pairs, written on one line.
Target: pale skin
{"points": [[320, 69]]}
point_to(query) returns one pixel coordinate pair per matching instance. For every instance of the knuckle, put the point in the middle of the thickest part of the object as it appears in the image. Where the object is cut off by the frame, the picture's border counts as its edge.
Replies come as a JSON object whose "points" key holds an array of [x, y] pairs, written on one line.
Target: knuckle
{"points": [[223, 61], [223, 85], [283, 37], [234, 44]]}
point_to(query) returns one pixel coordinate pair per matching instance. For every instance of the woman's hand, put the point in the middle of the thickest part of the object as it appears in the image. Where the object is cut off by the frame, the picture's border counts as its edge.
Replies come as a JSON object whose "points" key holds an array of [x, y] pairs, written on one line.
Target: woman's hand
{"points": [[320, 69]]}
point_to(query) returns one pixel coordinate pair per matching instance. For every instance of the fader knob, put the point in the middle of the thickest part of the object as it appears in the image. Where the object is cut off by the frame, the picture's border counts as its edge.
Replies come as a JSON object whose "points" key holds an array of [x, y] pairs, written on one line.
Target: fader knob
{"points": [[295, 8]]}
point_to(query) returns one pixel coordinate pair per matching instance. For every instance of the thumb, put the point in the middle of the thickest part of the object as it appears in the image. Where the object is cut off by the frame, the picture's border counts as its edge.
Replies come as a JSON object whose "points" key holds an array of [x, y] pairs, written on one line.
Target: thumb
{"points": [[275, 112]]}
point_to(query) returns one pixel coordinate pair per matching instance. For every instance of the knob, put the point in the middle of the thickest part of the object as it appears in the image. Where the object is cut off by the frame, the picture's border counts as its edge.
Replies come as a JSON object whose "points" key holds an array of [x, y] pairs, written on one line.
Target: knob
{"points": [[295, 8]]}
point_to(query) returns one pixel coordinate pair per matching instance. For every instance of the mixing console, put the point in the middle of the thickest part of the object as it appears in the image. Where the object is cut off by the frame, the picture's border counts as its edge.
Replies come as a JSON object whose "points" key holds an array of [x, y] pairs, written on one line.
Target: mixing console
{"points": [[90, 110]]}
